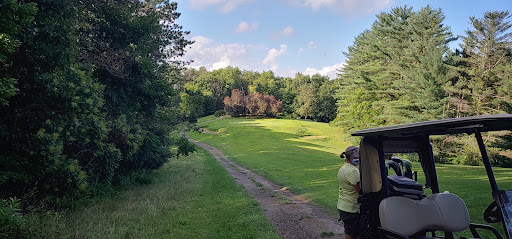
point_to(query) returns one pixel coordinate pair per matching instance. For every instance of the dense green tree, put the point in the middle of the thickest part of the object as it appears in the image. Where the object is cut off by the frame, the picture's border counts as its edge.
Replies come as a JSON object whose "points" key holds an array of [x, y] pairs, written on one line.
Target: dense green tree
{"points": [[93, 99], [326, 103], [396, 71], [307, 100], [267, 84], [486, 64], [14, 17]]}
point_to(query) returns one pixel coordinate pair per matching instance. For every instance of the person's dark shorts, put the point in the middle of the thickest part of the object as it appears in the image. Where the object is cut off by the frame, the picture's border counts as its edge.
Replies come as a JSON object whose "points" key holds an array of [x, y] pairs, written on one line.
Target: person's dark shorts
{"points": [[352, 222]]}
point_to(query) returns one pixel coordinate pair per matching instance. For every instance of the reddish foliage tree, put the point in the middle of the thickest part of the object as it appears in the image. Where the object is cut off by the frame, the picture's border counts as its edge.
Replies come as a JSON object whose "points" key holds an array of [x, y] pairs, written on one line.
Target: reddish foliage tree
{"points": [[254, 104], [236, 104]]}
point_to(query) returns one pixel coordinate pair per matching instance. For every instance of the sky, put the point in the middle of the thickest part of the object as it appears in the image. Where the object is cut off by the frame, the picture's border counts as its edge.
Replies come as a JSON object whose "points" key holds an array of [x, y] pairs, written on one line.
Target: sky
{"points": [[291, 36]]}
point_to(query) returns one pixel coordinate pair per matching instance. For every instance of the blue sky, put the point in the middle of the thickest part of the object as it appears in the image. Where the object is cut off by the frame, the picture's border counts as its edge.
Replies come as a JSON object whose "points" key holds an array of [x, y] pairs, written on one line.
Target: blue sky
{"points": [[290, 36]]}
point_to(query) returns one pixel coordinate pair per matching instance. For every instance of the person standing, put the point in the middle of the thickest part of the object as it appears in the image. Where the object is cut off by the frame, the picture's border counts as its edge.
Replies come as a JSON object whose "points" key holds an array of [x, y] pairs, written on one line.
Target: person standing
{"points": [[348, 179]]}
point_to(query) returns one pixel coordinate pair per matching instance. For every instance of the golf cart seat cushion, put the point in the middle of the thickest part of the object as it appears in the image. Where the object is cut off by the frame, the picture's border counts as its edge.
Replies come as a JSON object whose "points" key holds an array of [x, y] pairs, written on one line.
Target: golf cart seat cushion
{"points": [[441, 211]]}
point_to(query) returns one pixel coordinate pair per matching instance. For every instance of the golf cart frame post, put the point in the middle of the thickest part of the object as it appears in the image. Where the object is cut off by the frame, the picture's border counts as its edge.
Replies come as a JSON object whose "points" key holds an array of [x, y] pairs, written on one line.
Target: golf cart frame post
{"points": [[415, 138]]}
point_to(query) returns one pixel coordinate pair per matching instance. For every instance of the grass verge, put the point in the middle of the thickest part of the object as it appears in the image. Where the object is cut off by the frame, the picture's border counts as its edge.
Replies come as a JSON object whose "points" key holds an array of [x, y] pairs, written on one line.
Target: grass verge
{"points": [[190, 197]]}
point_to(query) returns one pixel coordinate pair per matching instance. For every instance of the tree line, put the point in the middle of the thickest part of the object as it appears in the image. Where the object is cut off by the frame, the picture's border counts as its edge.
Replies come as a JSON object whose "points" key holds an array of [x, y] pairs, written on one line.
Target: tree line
{"points": [[204, 92], [86, 95]]}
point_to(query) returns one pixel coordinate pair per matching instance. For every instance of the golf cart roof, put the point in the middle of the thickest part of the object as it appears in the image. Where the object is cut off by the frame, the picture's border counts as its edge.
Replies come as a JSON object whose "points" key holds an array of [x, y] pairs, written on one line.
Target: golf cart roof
{"points": [[482, 123]]}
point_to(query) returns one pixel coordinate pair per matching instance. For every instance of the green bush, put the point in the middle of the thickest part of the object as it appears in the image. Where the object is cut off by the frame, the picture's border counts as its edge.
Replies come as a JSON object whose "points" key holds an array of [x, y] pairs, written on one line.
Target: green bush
{"points": [[219, 113], [303, 131], [185, 147], [11, 220]]}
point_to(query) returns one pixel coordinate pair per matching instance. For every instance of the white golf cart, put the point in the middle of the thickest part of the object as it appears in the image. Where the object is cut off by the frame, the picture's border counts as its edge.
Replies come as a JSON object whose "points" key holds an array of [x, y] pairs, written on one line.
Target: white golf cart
{"points": [[395, 206]]}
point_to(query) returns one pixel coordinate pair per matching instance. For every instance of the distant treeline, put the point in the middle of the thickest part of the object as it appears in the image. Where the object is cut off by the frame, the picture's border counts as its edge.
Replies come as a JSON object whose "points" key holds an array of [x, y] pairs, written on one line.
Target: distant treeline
{"points": [[204, 92]]}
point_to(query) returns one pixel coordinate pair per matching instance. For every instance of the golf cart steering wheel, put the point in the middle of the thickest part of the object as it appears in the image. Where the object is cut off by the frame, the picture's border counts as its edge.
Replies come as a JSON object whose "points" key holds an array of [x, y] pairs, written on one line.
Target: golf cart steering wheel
{"points": [[492, 213]]}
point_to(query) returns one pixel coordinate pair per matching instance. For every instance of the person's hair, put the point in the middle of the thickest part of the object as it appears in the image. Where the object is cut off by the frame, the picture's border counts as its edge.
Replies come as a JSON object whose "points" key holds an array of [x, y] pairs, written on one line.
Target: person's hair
{"points": [[349, 152]]}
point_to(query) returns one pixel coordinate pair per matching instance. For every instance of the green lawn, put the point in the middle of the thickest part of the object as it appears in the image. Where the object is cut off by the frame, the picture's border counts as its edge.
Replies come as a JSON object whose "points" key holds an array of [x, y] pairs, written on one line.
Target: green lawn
{"points": [[190, 197], [308, 165], [274, 148]]}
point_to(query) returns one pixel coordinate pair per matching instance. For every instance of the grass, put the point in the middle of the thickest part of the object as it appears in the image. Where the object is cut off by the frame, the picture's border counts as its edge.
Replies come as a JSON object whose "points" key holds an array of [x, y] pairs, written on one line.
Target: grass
{"points": [[190, 197], [303, 156], [203, 119], [278, 150]]}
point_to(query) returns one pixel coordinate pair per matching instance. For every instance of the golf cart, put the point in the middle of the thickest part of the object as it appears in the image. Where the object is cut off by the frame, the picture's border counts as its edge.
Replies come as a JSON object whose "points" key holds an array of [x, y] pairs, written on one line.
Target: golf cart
{"points": [[395, 207]]}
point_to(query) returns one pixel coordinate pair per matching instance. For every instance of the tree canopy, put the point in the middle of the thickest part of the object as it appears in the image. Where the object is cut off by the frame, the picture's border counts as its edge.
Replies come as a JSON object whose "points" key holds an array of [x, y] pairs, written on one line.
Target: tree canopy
{"points": [[86, 93]]}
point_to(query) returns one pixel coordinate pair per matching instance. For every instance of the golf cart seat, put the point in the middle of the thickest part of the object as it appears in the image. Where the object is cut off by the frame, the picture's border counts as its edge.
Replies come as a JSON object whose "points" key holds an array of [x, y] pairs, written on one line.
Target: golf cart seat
{"points": [[442, 211], [402, 217]]}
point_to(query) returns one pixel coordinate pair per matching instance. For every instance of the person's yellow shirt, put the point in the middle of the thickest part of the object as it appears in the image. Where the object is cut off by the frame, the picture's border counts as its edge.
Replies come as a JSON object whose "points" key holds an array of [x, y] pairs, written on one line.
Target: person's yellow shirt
{"points": [[348, 176]]}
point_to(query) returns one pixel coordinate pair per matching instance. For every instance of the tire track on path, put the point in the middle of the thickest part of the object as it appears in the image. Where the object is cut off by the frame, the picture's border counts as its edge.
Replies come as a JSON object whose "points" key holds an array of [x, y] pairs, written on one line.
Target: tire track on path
{"points": [[291, 215]]}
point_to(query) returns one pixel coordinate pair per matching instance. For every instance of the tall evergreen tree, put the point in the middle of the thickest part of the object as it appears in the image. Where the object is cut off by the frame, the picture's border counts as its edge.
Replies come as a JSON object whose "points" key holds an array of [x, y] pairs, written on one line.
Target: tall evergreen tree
{"points": [[486, 60], [396, 72]]}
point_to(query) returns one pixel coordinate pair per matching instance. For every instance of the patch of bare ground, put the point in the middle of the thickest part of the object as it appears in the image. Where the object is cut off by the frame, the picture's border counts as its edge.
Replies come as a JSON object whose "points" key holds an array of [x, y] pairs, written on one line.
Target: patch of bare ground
{"points": [[207, 131], [292, 215]]}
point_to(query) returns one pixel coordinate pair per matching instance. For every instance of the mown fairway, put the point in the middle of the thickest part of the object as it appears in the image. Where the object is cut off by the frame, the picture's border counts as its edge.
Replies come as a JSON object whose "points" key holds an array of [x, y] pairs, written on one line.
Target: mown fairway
{"points": [[308, 165], [278, 149], [190, 197]]}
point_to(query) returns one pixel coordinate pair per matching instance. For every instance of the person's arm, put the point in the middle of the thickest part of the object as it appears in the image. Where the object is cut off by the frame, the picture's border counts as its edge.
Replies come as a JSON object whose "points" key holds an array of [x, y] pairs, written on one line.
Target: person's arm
{"points": [[357, 187]]}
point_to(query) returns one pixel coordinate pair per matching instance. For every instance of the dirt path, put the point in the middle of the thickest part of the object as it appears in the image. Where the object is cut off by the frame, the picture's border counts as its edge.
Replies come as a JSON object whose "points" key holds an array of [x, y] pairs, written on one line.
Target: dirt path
{"points": [[291, 215]]}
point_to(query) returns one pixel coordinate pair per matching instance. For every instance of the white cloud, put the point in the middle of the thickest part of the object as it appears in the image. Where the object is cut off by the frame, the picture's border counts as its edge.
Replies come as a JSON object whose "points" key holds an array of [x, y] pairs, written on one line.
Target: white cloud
{"points": [[226, 6], [350, 8], [330, 71], [312, 45], [246, 27], [317, 4], [287, 31], [286, 72], [299, 51], [272, 56], [213, 56]]}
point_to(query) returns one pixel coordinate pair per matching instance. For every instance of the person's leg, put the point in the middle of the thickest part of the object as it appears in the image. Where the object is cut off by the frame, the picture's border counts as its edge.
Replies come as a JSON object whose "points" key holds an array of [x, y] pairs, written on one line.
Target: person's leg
{"points": [[350, 237], [351, 223]]}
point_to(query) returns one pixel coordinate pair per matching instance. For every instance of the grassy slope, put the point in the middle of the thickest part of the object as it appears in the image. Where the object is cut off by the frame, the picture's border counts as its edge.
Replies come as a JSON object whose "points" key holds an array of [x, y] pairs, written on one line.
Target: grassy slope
{"points": [[191, 197], [309, 166], [273, 148]]}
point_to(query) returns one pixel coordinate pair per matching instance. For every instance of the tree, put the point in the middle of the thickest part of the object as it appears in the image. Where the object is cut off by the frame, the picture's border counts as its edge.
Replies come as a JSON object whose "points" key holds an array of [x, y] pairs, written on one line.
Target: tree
{"points": [[266, 83], [326, 104], [94, 97], [236, 105], [397, 69], [14, 17], [486, 57], [307, 100], [253, 103]]}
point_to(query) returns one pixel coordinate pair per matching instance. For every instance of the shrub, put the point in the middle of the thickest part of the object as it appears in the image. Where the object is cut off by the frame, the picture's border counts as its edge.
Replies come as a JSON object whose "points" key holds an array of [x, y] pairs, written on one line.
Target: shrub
{"points": [[185, 147], [219, 113], [303, 131], [11, 220]]}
